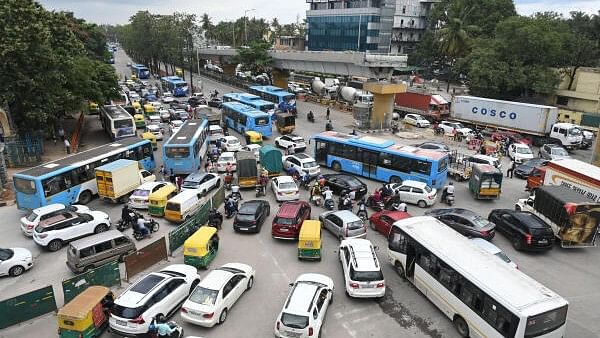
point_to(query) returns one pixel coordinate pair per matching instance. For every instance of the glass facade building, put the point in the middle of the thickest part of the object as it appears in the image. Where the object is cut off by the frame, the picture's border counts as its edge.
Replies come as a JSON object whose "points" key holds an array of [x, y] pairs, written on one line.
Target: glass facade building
{"points": [[343, 32]]}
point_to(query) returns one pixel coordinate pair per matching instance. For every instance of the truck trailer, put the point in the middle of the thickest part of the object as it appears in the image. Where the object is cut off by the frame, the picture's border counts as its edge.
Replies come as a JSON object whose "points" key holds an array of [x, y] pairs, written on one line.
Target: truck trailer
{"points": [[116, 180], [577, 175], [431, 106]]}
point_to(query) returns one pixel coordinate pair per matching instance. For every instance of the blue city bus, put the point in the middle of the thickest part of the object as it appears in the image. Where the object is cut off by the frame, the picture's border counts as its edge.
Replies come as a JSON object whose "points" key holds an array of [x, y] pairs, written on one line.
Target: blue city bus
{"points": [[253, 101], [175, 85], [380, 159], [73, 179], [184, 150], [284, 100], [140, 71], [244, 118]]}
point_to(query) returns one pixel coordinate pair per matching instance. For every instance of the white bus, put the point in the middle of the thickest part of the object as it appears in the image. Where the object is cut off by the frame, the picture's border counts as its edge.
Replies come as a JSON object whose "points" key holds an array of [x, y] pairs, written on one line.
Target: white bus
{"points": [[117, 122], [483, 296]]}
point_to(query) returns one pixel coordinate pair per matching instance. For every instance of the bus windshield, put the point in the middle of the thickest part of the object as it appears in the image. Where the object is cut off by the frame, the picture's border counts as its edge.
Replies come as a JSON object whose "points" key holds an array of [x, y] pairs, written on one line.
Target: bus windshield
{"points": [[24, 186], [545, 322], [123, 124], [178, 152]]}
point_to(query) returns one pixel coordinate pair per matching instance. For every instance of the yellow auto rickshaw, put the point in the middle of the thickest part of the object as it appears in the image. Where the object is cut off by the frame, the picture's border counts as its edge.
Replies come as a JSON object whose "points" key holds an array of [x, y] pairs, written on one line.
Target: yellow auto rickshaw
{"points": [[201, 248], [158, 199], [133, 77], [179, 72], [149, 109], [93, 106], [86, 315], [150, 137], [309, 240], [286, 123], [140, 121], [136, 105], [253, 137]]}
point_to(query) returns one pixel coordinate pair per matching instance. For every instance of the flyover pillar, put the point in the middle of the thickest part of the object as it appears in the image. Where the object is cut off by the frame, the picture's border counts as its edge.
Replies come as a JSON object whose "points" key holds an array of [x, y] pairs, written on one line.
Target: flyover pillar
{"points": [[383, 101], [280, 77]]}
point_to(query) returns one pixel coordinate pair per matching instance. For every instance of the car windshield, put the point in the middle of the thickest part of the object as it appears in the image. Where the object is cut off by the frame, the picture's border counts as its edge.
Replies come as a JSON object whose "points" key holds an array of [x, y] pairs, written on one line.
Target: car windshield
{"points": [[287, 185], [123, 124], [284, 221], [233, 142], [479, 222], [126, 312], [310, 164], [574, 131], [5, 254], [245, 217], [204, 296], [503, 257], [559, 152], [355, 225], [31, 217], [227, 159], [523, 150], [294, 321], [141, 193]]}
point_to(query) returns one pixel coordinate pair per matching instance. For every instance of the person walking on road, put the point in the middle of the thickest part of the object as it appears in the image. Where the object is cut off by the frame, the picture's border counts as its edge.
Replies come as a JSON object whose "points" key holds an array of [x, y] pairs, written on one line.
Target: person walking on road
{"points": [[172, 176], [67, 146], [61, 133], [511, 169], [327, 113]]}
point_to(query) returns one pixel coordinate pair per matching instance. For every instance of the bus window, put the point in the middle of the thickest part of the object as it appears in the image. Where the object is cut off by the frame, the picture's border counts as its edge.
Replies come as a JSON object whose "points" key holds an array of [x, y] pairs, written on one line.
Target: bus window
{"points": [[397, 241], [261, 121], [123, 124], [146, 150], [402, 164], [422, 167], [178, 152], [24, 186], [442, 165]]}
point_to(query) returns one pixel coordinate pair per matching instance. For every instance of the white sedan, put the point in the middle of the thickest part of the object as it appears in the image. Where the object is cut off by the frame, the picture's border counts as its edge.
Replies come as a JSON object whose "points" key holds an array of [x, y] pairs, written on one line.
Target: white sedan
{"points": [[15, 261], [213, 298], [416, 120], [520, 152], [231, 143], [224, 159], [203, 182], [285, 141], [285, 188], [139, 197], [415, 192]]}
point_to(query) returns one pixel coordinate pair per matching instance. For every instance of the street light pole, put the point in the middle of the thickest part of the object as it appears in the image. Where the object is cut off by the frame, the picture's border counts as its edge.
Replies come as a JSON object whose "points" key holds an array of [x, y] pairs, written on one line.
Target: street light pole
{"points": [[246, 25]]}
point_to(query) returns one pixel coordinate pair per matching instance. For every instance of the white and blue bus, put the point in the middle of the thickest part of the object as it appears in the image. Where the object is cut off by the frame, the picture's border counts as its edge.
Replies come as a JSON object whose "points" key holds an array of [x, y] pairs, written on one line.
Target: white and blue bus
{"points": [[184, 150], [117, 122], [380, 159], [253, 101], [140, 71], [284, 100], [73, 179], [175, 85], [244, 118], [481, 294]]}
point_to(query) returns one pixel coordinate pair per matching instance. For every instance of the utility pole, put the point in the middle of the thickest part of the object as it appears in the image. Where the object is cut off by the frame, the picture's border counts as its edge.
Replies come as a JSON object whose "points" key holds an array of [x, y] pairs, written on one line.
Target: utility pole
{"points": [[246, 25]]}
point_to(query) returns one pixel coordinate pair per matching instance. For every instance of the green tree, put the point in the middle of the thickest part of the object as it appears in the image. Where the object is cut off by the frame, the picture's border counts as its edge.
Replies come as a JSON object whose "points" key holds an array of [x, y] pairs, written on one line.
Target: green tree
{"points": [[256, 57], [582, 45]]}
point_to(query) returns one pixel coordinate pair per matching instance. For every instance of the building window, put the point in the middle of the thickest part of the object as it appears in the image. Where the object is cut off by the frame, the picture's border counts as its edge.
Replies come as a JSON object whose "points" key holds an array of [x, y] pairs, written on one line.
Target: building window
{"points": [[401, 22], [403, 9], [562, 100]]}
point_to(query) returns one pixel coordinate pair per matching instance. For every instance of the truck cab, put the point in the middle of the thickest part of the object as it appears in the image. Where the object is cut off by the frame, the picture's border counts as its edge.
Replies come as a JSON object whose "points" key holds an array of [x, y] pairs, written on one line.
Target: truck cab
{"points": [[536, 178], [568, 135]]}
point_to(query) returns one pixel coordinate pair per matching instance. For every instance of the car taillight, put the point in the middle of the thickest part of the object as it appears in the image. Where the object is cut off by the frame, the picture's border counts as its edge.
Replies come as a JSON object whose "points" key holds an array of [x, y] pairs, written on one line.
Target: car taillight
{"points": [[310, 331], [208, 315], [353, 285], [528, 238], [484, 232], [138, 320], [380, 285], [184, 310], [431, 197], [30, 226]]}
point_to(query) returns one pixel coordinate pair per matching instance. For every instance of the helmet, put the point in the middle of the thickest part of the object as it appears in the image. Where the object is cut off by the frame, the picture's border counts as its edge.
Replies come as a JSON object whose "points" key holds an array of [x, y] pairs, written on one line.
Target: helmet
{"points": [[451, 183]]}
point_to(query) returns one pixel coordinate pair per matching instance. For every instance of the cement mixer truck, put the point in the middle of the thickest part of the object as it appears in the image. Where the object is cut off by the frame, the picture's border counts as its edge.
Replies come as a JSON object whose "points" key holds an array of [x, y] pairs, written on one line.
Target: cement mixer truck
{"points": [[353, 95], [327, 89]]}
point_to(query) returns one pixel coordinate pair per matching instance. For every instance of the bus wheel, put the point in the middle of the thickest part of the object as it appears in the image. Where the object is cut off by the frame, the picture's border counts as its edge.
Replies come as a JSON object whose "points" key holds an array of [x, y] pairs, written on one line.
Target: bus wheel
{"points": [[461, 326], [85, 197], [336, 166], [400, 269], [395, 179]]}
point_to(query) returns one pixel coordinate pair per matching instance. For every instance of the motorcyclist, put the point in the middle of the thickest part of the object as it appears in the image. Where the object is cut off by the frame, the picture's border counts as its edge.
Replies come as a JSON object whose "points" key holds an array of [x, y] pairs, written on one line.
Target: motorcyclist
{"points": [[322, 180], [328, 194], [230, 205], [328, 126], [346, 203], [164, 329], [401, 206], [362, 208], [315, 190], [215, 217], [310, 116], [235, 192], [305, 179], [140, 226], [263, 180], [125, 214], [228, 179], [386, 191], [448, 190], [377, 196]]}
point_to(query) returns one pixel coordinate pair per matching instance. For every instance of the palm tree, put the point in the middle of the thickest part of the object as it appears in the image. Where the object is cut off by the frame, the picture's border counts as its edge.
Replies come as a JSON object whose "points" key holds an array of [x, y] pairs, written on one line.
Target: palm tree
{"points": [[454, 37]]}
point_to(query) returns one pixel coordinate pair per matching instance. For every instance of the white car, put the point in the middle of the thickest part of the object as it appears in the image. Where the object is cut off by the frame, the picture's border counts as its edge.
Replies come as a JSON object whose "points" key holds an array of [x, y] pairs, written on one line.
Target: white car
{"points": [[175, 126], [154, 120], [155, 130], [212, 299], [15, 261], [448, 126], [362, 271], [285, 188], [302, 163], [230, 143], [133, 96], [139, 198], [64, 227], [165, 115], [304, 309], [226, 157], [297, 142], [494, 250], [415, 192], [156, 293], [255, 149], [203, 182], [167, 97], [416, 120], [215, 133], [42, 213], [520, 152]]}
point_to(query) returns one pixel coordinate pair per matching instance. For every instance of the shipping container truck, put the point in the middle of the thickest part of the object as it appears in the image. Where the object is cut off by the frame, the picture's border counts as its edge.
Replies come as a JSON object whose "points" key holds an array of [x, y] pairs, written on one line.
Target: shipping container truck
{"points": [[572, 216], [116, 180], [431, 106], [577, 175], [537, 121]]}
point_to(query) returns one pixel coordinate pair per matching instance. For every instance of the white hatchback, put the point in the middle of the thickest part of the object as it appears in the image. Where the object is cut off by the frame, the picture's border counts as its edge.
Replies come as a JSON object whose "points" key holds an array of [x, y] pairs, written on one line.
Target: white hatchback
{"points": [[415, 192], [520, 152], [285, 141], [416, 120], [231, 143], [42, 213], [212, 299], [139, 198], [362, 271], [285, 188], [15, 261]]}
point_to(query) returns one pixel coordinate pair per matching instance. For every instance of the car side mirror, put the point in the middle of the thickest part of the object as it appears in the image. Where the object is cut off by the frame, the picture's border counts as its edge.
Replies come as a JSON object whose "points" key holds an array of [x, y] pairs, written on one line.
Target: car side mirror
{"points": [[376, 247], [291, 284]]}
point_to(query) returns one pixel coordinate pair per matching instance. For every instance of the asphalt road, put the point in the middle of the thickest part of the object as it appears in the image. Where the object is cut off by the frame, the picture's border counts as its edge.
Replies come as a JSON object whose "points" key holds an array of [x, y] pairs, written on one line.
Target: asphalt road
{"points": [[404, 311]]}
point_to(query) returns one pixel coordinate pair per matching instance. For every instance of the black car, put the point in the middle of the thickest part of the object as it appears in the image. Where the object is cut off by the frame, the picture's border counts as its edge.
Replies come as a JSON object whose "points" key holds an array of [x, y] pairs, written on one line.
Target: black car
{"points": [[465, 222], [340, 182], [215, 102], [525, 169], [195, 101], [251, 216], [525, 230]]}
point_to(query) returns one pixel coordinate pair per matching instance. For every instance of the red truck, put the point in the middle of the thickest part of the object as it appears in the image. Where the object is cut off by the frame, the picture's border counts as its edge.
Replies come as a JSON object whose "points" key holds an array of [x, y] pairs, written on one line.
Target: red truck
{"points": [[431, 106]]}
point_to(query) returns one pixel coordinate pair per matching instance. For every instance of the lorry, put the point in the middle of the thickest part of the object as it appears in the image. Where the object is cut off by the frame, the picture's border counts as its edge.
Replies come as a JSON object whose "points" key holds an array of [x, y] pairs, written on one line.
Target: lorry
{"points": [[537, 121], [572, 216], [431, 106], [577, 175], [118, 179]]}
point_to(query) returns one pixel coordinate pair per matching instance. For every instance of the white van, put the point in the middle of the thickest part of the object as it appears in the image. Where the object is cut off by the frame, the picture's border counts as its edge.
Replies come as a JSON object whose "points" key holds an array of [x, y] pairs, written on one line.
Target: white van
{"points": [[214, 133], [183, 206]]}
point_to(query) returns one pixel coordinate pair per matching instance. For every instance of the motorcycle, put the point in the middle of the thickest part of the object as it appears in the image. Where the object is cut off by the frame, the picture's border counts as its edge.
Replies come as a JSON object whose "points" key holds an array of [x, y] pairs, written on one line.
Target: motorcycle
{"points": [[377, 206], [151, 225], [235, 193], [123, 225], [231, 208], [345, 205], [362, 211], [316, 200], [310, 118], [178, 330], [261, 190], [448, 199]]}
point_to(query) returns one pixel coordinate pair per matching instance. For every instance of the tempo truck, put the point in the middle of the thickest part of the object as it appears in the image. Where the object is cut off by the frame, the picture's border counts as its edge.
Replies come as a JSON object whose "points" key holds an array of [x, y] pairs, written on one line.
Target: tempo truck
{"points": [[574, 174], [537, 121], [573, 217], [116, 180]]}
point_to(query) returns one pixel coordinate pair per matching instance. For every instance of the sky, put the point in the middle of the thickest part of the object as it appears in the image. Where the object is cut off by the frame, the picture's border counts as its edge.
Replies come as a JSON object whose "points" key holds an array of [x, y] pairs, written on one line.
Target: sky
{"points": [[286, 11]]}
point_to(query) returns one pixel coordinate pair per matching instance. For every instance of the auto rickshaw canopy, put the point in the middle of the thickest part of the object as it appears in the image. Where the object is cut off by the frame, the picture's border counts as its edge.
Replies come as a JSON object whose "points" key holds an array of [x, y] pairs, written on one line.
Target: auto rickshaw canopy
{"points": [[197, 244], [310, 231], [80, 306]]}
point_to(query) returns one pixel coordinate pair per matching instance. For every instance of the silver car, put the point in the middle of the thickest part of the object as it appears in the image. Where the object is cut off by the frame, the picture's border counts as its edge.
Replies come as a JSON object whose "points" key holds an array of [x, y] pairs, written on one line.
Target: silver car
{"points": [[343, 224], [553, 152]]}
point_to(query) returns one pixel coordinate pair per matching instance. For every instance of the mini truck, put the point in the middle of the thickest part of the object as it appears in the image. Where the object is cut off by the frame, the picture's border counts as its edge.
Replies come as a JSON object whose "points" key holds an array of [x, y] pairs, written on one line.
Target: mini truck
{"points": [[118, 179], [577, 175], [573, 217]]}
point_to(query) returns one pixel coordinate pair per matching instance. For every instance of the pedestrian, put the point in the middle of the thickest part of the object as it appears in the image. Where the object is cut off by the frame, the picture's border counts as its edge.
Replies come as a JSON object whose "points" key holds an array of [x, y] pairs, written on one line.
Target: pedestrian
{"points": [[482, 149], [54, 138], [454, 133], [290, 150], [179, 181], [61, 133], [327, 113], [67, 146], [511, 169], [172, 176]]}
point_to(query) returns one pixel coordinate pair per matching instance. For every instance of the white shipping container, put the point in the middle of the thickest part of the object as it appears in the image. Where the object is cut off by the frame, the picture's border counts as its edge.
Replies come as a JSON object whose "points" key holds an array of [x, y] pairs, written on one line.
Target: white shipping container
{"points": [[522, 117]]}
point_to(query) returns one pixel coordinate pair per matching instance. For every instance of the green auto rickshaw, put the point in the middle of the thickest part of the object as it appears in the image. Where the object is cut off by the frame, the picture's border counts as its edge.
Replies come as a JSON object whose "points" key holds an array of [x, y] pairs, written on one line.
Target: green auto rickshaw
{"points": [[201, 248], [485, 181]]}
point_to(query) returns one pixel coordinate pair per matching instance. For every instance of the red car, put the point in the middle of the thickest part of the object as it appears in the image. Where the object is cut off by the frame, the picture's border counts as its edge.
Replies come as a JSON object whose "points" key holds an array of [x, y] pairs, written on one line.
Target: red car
{"points": [[499, 135], [382, 221], [289, 219]]}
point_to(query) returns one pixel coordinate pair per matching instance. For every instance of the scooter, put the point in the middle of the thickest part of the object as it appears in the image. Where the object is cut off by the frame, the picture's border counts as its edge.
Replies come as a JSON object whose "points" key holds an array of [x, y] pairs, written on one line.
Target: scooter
{"points": [[151, 225], [231, 209], [316, 200], [377, 206], [438, 131], [362, 211], [449, 199], [329, 204]]}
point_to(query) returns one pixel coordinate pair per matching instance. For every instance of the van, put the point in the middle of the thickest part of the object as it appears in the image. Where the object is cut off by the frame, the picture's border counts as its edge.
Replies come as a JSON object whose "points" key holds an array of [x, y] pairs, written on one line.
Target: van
{"points": [[289, 218], [183, 206], [93, 251]]}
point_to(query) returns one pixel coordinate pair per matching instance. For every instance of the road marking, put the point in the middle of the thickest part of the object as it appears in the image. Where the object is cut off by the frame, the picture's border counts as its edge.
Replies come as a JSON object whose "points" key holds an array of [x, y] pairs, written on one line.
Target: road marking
{"points": [[268, 252], [352, 333]]}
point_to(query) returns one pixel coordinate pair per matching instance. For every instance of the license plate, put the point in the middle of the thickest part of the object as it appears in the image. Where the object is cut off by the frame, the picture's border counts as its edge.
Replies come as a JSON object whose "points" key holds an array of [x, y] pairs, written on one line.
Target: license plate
{"points": [[195, 313], [283, 229], [121, 322], [543, 241], [292, 334], [244, 229], [368, 286], [290, 192]]}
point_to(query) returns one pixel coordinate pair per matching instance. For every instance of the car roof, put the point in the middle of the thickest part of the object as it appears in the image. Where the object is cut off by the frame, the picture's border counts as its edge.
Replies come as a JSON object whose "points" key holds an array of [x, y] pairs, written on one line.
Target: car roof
{"points": [[520, 145], [529, 220], [395, 215], [228, 154], [195, 176], [285, 178], [216, 279], [49, 208], [148, 185], [415, 184], [346, 215], [230, 137], [301, 297], [302, 156], [97, 238], [289, 209], [365, 259]]}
